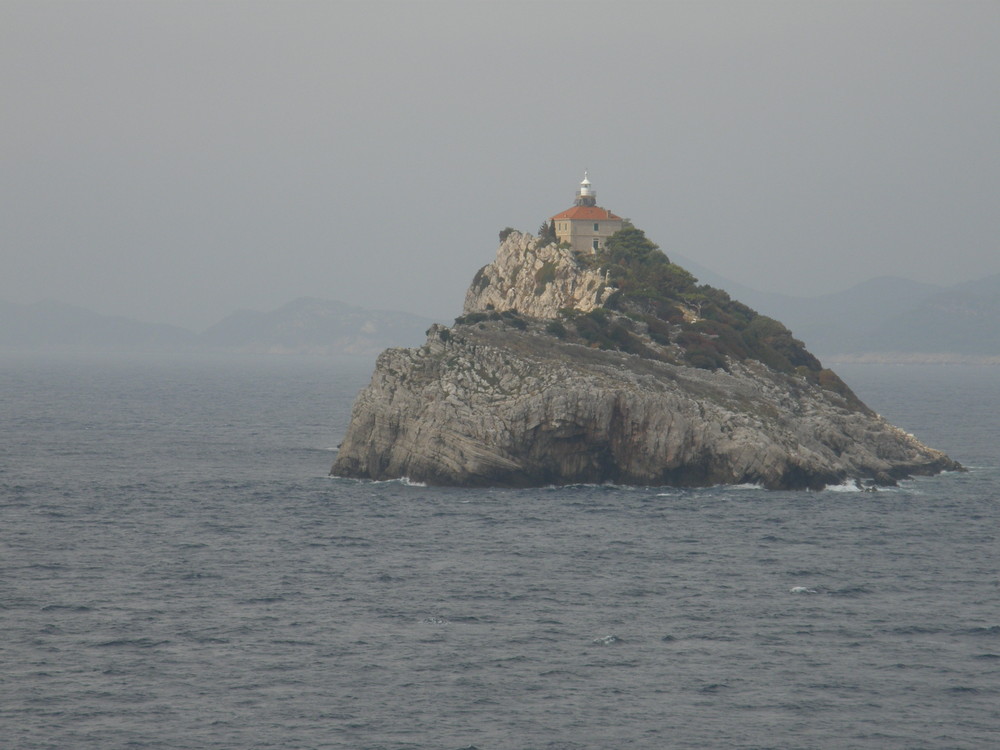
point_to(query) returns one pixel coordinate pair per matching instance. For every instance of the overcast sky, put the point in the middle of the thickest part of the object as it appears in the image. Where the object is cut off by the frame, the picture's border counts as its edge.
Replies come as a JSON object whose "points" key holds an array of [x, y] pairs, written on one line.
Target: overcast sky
{"points": [[175, 161]]}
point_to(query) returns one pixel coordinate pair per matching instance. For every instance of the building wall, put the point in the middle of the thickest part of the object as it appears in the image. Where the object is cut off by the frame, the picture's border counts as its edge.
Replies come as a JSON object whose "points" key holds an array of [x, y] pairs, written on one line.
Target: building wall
{"points": [[580, 234]]}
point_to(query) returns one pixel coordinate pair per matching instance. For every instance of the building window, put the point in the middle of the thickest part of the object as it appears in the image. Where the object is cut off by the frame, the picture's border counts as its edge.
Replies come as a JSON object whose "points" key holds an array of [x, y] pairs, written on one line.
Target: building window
{"points": [[596, 226], [597, 244]]}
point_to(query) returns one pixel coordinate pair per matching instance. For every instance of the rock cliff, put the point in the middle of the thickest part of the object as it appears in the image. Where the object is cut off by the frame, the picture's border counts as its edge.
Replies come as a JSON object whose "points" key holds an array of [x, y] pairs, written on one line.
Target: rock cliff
{"points": [[542, 382], [536, 281]]}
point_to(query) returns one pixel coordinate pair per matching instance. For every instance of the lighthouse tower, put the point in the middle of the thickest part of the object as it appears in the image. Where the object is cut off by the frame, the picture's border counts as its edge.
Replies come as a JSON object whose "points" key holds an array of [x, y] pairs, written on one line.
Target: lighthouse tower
{"points": [[585, 196], [586, 226]]}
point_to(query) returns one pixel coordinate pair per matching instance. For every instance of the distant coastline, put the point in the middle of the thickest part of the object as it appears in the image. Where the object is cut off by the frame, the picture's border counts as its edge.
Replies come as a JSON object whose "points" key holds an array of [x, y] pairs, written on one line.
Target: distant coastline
{"points": [[307, 325], [910, 358]]}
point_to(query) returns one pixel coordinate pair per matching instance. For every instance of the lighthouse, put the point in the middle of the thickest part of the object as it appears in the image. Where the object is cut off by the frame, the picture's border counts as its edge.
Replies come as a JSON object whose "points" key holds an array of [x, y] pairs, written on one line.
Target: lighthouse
{"points": [[585, 196], [586, 226]]}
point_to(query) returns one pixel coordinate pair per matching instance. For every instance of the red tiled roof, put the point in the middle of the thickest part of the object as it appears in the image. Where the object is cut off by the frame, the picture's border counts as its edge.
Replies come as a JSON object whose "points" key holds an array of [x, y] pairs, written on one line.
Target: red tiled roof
{"points": [[587, 213]]}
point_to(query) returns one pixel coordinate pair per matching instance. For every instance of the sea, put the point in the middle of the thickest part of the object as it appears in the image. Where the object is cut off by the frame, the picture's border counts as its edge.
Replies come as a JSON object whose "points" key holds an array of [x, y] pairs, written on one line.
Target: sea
{"points": [[179, 571]]}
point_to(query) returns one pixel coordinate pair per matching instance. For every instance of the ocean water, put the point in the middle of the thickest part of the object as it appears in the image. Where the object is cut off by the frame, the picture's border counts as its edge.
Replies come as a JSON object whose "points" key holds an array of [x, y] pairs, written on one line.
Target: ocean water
{"points": [[179, 572]]}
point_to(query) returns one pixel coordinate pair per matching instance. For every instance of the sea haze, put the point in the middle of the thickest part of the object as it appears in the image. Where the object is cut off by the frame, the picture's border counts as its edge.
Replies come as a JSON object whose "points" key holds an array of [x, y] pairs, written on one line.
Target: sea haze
{"points": [[179, 572]]}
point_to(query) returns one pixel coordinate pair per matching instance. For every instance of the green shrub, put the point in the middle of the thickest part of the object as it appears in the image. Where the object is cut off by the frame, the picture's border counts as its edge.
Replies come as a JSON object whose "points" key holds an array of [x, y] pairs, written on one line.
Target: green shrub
{"points": [[511, 318], [556, 328], [547, 233], [471, 318], [726, 339], [659, 330], [599, 315], [702, 351]]}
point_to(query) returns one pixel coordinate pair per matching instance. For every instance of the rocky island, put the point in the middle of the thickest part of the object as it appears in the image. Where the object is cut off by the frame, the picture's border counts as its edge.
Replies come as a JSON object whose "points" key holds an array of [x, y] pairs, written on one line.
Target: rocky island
{"points": [[610, 364]]}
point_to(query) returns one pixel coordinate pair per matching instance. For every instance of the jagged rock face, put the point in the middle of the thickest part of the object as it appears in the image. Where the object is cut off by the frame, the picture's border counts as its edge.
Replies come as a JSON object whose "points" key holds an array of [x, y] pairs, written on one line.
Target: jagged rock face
{"points": [[488, 405], [535, 281]]}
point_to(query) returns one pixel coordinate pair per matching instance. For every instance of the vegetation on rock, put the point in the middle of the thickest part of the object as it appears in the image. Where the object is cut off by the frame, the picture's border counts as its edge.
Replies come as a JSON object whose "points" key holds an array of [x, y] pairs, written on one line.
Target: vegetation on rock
{"points": [[547, 233], [508, 317], [664, 302]]}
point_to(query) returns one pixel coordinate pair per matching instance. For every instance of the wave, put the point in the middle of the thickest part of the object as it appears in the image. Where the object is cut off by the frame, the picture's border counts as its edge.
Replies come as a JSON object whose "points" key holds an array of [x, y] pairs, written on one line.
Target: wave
{"points": [[407, 482], [66, 608], [848, 485], [131, 643], [850, 591], [607, 640], [857, 485], [594, 486], [404, 481], [989, 630]]}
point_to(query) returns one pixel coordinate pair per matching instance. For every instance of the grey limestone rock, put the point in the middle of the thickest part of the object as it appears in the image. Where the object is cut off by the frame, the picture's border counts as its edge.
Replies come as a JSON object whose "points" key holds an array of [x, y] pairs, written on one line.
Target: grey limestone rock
{"points": [[488, 403], [535, 280]]}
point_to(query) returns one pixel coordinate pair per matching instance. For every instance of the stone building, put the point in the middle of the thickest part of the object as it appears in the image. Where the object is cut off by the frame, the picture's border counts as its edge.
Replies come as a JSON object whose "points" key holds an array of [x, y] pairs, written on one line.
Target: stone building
{"points": [[586, 226]]}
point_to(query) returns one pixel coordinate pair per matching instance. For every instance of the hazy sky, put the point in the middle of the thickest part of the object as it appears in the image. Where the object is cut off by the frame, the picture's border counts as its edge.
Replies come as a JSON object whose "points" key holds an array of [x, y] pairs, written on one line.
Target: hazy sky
{"points": [[175, 161]]}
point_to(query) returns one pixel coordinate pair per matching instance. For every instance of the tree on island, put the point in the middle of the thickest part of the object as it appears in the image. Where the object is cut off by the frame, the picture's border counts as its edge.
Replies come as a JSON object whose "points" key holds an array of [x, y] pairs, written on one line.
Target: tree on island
{"points": [[547, 233]]}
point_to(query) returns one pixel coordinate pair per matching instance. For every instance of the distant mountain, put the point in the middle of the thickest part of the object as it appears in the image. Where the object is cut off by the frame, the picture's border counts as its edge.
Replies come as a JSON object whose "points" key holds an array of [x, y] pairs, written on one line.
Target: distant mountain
{"points": [[962, 320], [53, 325], [305, 326], [316, 326], [883, 316], [846, 321]]}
